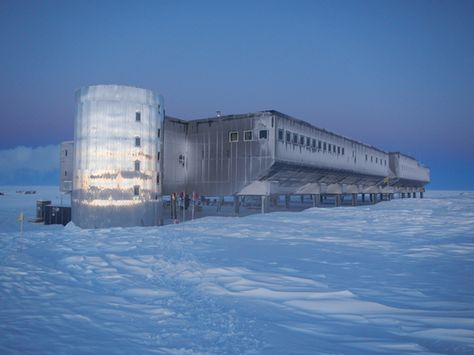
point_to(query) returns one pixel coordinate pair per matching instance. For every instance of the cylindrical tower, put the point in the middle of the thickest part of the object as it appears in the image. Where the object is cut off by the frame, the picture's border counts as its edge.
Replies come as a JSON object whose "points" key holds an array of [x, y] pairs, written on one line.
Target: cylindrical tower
{"points": [[116, 157]]}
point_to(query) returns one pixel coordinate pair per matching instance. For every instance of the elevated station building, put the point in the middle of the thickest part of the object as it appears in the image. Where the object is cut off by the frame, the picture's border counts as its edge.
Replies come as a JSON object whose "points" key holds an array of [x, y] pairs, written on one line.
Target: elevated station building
{"points": [[127, 155]]}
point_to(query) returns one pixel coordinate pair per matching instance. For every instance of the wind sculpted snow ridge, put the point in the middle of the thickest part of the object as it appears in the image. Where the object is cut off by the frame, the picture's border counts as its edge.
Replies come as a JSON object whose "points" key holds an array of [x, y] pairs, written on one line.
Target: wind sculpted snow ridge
{"points": [[391, 278]]}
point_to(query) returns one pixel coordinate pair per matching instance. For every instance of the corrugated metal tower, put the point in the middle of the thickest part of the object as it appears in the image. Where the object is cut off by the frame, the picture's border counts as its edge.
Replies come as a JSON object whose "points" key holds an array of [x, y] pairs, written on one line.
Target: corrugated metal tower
{"points": [[117, 143]]}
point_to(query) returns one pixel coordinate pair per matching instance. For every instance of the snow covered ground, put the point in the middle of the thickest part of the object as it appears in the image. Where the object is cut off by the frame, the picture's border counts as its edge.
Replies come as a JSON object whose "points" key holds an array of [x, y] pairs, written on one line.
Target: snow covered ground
{"points": [[396, 277]]}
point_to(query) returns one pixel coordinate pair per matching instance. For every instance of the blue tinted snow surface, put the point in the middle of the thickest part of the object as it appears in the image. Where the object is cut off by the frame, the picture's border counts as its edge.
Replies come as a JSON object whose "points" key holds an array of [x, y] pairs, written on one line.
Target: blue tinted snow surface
{"points": [[396, 277]]}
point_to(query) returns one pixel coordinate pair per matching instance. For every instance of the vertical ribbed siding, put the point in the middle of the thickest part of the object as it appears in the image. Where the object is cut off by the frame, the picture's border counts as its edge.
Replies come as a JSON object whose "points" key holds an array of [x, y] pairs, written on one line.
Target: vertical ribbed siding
{"points": [[105, 155]]}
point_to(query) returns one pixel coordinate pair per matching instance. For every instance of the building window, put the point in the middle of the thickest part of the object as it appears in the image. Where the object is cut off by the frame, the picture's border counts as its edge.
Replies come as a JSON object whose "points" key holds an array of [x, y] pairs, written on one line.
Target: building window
{"points": [[181, 159], [385, 162], [65, 153], [157, 178], [338, 150], [366, 157], [233, 136], [371, 159], [319, 145], [329, 147], [158, 156], [136, 190], [295, 138], [308, 141], [342, 150], [247, 135], [324, 146], [137, 165], [263, 134], [158, 133], [138, 116], [280, 135], [313, 143], [65, 172], [376, 160], [302, 140], [137, 142], [288, 136]]}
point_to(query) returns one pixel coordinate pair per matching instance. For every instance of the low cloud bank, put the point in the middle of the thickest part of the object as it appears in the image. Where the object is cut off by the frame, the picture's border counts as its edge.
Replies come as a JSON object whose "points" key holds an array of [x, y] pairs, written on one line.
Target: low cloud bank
{"points": [[30, 165]]}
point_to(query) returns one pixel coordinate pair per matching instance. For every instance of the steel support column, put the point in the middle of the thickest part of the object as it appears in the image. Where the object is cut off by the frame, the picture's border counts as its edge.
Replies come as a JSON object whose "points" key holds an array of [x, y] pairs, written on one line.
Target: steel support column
{"points": [[237, 205], [264, 204]]}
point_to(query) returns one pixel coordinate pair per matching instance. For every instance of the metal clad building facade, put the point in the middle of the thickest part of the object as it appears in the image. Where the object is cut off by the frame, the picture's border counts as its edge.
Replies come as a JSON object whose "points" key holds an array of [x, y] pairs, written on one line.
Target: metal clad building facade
{"points": [[227, 154], [267, 153], [116, 166], [217, 156], [311, 160], [407, 172], [126, 156]]}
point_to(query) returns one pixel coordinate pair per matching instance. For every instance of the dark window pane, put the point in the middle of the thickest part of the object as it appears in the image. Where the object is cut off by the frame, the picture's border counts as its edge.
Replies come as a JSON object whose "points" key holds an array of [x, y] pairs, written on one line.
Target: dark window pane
{"points": [[280, 134], [233, 136]]}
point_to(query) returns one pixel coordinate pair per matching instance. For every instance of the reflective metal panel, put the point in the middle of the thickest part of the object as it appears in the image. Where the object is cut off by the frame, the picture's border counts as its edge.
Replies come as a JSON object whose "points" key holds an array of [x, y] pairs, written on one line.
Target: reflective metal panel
{"points": [[66, 159], [116, 156], [175, 155], [212, 156]]}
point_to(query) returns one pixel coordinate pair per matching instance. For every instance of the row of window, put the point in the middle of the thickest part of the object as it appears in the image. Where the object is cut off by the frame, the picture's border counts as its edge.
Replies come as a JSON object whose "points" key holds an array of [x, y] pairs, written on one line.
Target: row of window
{"points": [[320, 145], [377, 160], [296, 138], [248, 135]]}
